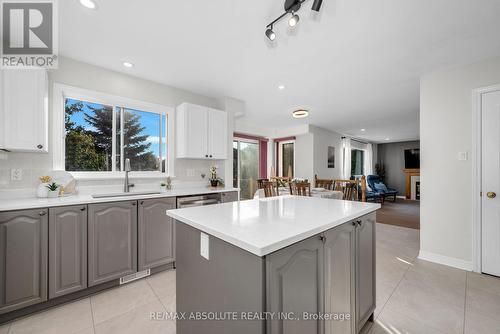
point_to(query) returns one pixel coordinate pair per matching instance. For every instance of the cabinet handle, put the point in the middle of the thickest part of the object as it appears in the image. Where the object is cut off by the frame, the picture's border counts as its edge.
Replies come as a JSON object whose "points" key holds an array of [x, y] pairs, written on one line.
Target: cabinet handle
{"points": [[206, 155], [133, 203], [142, 202], [359, 222], [83, 209], [39, 146], [322, 238], [210, 155], [354, 223], [42, 213]]}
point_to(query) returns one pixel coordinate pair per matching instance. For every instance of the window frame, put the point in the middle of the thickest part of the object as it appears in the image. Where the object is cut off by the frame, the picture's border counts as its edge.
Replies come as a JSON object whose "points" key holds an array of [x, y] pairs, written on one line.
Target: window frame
{"points": [[62, 92], [279, 171]]}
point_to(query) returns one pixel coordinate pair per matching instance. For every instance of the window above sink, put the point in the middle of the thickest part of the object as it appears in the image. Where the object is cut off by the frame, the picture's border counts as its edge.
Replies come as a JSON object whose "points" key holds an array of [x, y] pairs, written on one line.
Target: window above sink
{"points": [[96, 132]]}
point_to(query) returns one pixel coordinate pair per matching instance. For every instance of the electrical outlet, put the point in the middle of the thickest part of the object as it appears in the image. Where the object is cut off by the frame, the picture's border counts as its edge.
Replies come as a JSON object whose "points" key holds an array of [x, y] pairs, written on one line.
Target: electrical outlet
{"points": [[462, 156], [16, 174]]}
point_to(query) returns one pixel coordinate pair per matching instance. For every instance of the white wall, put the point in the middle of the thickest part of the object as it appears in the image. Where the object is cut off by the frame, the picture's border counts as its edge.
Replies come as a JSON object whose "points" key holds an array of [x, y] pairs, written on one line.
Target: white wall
{"points": [[87, 76], [446, 183], [304, 157], [322, 139]]}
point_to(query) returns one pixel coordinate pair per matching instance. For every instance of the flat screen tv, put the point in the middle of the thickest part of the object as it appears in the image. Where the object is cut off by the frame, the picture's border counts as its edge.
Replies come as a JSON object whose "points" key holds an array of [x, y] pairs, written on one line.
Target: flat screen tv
{"points": [[412, 158]]}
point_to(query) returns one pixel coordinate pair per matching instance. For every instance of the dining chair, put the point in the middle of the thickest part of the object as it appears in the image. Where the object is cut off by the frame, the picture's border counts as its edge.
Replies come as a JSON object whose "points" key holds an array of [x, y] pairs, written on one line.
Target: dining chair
{"points": [[260, 182], [270, 188], [300, 188], [282, 181], [323, 183], [349, 189]]}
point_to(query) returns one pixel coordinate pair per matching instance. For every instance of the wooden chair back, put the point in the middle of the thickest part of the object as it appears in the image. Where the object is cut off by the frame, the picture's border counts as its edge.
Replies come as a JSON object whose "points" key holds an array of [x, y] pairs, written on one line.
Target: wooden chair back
{"points": [[353, 190], [323, 183], [281, 180], [270, 189], [300, 188], [260, 183]]}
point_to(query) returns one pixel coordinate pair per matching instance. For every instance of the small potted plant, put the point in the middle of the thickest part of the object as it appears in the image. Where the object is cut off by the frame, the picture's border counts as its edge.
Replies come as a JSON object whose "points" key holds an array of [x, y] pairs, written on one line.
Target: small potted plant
{"points": [[52, 187], [163, 187], [214, 180]]}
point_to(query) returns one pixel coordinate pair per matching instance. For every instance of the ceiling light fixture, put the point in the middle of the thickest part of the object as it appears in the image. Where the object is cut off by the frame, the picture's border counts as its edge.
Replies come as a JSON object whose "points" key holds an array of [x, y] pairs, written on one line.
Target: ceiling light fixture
{"points": [[300, 113], [90, 4], [363, 130], [387, 139], [281, 87], [128, 64], [270, 34], [294, 19], [291, 7]]}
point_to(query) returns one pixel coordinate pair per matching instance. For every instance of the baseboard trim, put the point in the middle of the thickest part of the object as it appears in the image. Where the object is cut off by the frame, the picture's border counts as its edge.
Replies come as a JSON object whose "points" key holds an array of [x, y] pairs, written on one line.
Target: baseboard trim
{"points": [[445, 260]]}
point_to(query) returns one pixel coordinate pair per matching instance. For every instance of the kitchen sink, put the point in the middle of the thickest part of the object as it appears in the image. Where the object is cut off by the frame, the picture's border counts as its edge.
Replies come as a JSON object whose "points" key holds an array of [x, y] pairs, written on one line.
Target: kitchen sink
{"points": [[126, 194]]}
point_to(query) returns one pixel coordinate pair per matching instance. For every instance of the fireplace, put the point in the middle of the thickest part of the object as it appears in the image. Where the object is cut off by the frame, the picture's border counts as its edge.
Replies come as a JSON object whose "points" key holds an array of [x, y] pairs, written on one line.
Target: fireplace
{"points": [[412, 179]]}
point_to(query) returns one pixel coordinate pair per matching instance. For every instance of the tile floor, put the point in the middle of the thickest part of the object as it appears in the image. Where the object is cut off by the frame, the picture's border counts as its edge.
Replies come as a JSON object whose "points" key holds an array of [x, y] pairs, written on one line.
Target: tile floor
{"points": [[413, 296]]}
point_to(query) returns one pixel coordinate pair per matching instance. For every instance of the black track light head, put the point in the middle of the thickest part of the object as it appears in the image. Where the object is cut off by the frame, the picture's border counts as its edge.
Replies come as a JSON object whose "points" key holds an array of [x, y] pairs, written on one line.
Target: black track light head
{"points": [[317, 5], [270, 34]]}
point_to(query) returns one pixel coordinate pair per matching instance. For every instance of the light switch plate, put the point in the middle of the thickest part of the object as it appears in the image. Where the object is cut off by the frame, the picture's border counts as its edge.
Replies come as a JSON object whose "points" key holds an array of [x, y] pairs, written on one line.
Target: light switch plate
{"points": [[16, 174], [204, 245]]}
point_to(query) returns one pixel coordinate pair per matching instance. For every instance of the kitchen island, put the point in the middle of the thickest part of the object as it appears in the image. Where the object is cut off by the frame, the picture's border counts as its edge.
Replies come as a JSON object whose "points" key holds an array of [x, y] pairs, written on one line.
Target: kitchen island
{"points": [[287, 264]]}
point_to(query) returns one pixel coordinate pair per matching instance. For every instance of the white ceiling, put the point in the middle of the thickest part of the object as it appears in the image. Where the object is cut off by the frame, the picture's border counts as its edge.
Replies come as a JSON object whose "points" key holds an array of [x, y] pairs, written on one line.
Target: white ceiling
{"points": [[356, 66]]}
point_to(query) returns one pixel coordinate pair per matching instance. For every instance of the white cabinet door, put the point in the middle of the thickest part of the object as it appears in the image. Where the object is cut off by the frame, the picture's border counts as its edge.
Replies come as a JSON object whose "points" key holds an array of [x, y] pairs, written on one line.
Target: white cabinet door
{"points": [[217, 134], [25, 110], [192, 131]]}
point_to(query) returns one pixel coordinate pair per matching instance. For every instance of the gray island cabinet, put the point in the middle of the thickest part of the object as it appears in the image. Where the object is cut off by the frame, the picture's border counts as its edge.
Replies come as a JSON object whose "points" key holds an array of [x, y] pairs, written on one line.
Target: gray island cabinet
{"points": [[276, 266]]}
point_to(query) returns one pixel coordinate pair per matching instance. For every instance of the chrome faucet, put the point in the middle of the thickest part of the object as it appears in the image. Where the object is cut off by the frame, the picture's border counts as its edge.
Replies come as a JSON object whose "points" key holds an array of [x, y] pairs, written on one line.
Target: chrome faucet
{"points": [[127, 185]]}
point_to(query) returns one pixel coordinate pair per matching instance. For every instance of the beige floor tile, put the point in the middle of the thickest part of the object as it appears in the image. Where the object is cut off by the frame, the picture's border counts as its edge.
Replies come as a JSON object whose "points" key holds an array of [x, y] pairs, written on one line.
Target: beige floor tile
{"points": [[69, 318], [114, 302], [480, 324], [394, 322], [163, 283], [482, 302], [137, 321], [426, 305], [483, 282]]}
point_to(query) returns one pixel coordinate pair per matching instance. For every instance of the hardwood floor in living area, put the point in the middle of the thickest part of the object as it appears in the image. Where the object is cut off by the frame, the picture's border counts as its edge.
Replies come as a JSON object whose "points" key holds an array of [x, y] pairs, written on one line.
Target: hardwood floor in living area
{"points": [[404, 213]]}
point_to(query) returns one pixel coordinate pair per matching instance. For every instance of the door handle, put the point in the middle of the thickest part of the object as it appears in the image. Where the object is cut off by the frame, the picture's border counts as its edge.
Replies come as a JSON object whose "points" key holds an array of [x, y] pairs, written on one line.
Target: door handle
{"points": [[491, 194]]}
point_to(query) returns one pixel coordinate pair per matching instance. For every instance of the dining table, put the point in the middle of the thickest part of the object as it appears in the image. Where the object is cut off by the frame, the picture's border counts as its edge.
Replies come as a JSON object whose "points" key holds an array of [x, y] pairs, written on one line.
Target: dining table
{"points": [[315, 192]]}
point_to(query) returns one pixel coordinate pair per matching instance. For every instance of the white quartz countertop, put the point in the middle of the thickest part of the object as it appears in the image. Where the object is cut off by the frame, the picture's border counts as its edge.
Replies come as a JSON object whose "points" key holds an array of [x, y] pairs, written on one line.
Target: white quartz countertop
{"points": [[35, 203], [263, 226]]}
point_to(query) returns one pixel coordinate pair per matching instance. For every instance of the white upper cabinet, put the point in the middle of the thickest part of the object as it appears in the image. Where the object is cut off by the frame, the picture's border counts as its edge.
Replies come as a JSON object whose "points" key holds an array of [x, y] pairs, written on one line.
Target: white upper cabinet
{"points": [[24, 110], [201, 132]]}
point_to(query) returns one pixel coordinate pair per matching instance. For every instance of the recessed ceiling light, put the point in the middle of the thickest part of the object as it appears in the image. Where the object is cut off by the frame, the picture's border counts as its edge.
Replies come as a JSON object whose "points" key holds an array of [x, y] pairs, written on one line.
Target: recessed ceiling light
{"points": [[363, 130], [128, 64], [300, 113], [88, 4], [281, 87], [387, 138]]}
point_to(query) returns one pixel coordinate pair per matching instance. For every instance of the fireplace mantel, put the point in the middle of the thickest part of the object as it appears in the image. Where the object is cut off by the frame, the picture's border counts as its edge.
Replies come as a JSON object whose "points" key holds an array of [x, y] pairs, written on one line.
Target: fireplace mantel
{"points": [[409, 173]]}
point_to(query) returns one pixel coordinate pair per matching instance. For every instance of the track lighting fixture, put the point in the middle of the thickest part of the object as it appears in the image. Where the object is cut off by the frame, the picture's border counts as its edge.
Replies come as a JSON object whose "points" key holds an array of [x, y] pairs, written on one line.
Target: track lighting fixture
{"points": [[291, 7], [294, 19], [270, 34]]}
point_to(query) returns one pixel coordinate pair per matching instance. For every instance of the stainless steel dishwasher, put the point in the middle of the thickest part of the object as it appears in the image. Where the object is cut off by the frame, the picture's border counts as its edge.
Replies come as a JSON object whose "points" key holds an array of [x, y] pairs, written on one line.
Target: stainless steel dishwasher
{"points": [[197, 200]]}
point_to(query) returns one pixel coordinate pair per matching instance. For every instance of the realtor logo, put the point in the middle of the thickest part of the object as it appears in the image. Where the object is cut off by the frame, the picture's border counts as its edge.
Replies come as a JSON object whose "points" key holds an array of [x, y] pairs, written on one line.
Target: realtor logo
{"points": [[28, 33]]}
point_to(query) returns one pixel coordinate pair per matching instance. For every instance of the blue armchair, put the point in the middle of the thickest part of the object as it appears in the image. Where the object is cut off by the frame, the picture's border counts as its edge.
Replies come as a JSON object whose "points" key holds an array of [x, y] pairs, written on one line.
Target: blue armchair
{"points": [[377, 185]]}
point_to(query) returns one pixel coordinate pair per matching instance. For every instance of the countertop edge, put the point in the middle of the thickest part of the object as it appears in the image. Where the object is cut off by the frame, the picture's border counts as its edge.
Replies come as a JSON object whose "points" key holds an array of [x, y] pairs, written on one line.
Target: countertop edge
{"points": [[261, 252], [88, 199]]}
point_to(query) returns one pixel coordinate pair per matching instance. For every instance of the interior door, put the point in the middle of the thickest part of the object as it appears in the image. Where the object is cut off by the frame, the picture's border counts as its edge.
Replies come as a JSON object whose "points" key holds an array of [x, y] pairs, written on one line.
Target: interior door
{"points": [[490, 201]]}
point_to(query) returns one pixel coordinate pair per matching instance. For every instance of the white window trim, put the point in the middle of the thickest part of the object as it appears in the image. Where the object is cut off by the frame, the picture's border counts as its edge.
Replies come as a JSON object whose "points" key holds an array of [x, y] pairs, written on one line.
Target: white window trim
{"points": [[61, 92]]}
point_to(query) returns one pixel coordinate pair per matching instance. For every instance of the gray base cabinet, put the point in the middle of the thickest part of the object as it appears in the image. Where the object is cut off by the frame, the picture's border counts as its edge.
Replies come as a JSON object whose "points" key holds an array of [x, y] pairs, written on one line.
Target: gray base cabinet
{"points": [[67, 250], [156, 238], [23, 259], [366, 270], [231, 196], [112, 241], [295, 284]]}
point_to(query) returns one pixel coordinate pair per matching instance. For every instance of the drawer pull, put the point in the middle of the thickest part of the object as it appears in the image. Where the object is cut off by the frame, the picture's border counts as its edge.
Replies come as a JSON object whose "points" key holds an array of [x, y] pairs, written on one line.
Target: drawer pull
{"points": [[42, 213]]}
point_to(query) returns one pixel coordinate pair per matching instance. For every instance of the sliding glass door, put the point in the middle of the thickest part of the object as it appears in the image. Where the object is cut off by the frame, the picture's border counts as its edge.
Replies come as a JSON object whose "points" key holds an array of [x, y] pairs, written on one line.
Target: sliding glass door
{"points": [[245, 166]]}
